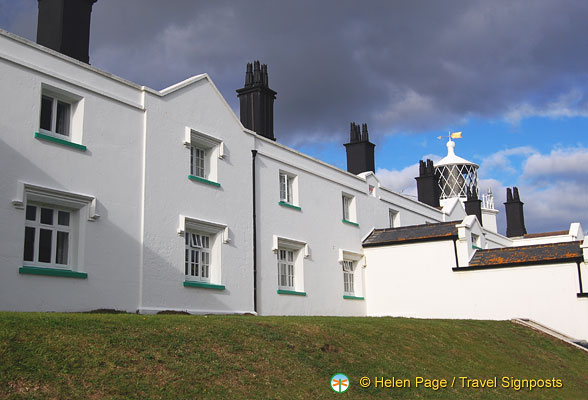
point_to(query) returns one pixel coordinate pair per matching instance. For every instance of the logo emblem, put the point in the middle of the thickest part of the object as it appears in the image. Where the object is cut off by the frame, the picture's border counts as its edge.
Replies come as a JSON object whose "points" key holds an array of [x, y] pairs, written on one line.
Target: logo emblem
{"points": [[339, 383]]}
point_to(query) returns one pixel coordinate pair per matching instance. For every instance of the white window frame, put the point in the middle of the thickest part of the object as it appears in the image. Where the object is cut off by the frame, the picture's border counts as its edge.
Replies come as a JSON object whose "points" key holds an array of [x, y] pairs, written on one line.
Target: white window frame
{"points": [[475, 238], [217, 233], [198, 162], [198, 255], [288, 188], [394, 218], [286, 269], [55, 228], [82, 209], [357, 262], [75, 114], [348, 277], [346, 207], [54, 125], [213, 149], [349, 214], [300, 251]]}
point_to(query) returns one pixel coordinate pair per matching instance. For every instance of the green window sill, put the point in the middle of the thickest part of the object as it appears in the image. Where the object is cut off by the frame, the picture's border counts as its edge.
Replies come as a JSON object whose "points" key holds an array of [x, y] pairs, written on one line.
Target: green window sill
{"points": [[199, 179], [68, 273], [60, 141], [352, 297], [349, 222], [476, 247], [284, 204], [203, 285], [292, 292]]}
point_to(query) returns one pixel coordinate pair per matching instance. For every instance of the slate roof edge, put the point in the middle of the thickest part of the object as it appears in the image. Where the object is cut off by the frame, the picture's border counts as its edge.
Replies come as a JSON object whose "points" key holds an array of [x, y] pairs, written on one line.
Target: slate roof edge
{"points": [[518, 264], [410, 241], [528, 246]]}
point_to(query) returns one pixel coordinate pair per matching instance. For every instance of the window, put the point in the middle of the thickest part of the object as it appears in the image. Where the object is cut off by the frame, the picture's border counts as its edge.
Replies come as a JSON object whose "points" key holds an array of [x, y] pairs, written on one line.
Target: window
{"points": [[197, 158], [349, 215], [55, 115], [54, 226], [205, 151], [61, 117], [394, 218], [348, 278], [290, 254], [286, 269], [286, 184], [47, 236], [197, 256], [352, 274], [288, 190], [202, 252], [346, 205], [476, 241]]}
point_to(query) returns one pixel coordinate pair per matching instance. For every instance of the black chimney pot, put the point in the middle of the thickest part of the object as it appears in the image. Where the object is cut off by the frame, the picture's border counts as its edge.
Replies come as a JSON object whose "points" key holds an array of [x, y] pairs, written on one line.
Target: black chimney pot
{"points": [[360, 151], [515, 219], [64, 26], [257, 101], [473, 206], [428, 190]]}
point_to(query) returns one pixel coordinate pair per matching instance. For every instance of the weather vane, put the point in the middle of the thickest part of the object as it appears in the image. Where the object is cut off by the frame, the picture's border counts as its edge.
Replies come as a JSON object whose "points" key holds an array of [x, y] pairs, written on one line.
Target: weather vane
{"points": [[451, 135]]}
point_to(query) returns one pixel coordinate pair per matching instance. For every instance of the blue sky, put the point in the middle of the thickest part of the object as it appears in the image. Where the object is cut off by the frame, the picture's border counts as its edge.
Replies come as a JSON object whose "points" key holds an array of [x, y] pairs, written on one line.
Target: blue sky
{"points": [[512, 76]]}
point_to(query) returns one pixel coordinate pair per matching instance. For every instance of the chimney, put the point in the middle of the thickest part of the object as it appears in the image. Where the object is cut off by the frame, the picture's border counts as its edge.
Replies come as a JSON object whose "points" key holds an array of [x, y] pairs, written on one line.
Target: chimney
{"points": [[257, 101], [473, 206], [428, 184], [360, 151], [515, 219], [64, 26]]}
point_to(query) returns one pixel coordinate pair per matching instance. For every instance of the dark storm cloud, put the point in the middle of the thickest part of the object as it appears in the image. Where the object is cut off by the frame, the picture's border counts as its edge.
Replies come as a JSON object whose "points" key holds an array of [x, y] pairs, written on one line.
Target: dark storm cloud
{"points": [[400, 66]]}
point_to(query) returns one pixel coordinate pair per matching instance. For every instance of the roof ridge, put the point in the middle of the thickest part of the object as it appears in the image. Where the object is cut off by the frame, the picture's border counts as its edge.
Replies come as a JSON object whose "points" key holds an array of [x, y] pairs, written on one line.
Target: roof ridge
{"points": [[414, 226]]}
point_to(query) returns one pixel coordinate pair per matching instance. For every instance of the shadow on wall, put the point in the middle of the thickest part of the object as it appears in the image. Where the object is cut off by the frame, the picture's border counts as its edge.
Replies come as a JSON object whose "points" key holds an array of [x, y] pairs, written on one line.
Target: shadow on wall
{"points": [[112, 249]]}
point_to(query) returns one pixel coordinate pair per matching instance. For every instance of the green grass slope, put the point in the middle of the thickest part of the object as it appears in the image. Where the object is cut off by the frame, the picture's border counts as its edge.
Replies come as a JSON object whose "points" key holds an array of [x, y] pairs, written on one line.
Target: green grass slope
{"points": [[96, 356]]}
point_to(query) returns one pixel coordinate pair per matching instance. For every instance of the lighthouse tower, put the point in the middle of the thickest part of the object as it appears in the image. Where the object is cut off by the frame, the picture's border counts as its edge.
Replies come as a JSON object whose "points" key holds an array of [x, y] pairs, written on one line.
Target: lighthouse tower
{"points": [[456, 176]]}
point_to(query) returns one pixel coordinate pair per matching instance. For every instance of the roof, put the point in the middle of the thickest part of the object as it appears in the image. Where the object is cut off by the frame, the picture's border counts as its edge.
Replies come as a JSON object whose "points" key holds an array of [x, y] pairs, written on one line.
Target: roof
{"points": [[412, 233], [521, 255]]}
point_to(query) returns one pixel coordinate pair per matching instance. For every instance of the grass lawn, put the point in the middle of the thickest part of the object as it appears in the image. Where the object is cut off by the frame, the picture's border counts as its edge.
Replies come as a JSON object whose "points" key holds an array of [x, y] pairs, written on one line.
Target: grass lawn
{"points": [[86, 356]]}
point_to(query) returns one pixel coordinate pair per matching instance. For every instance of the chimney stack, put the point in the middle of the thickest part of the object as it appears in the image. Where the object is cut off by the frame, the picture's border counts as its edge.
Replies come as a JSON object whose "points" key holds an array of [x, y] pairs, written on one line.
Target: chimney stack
{"points": [[257, 101], [428, 184], [473, 206], [64, 26], [515, 219], [360, 151]]}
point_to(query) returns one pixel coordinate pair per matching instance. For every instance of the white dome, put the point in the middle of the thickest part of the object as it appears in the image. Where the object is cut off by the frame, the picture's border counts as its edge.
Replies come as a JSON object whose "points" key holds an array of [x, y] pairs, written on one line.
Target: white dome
{"points": [[451, 158], [456, 175]]}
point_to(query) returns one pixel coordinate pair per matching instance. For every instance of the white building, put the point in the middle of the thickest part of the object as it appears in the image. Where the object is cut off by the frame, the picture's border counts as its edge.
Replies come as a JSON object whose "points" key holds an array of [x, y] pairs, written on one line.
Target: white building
{"points": [[117, 196]]}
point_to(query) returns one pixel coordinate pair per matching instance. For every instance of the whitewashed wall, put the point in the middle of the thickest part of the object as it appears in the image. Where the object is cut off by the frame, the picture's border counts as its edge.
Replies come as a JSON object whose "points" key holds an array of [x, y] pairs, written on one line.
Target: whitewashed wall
{"points": [[136, 166], [416, 280], [319, 225], [110, 171], [169, 194]]}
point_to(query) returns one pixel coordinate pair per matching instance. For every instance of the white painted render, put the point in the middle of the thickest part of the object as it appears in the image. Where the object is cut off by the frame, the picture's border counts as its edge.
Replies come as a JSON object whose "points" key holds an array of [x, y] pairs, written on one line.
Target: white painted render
{"points": [[136, 167], [417, 280], [170, 194], [132, 200], [109, 171]]}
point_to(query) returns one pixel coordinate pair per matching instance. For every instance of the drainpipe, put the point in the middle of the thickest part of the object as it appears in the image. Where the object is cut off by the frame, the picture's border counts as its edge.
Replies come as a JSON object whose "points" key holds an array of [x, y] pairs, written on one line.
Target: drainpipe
{"points": [[580, 276], [253, 155], [455, 251]]}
